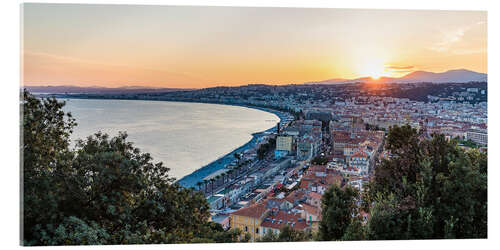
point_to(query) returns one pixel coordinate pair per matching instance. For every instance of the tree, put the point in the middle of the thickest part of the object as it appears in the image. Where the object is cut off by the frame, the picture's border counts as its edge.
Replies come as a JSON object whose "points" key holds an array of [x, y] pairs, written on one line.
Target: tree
{"points": [[105, 191], [44, 148], [223, 178], [205, 182], [246, 237], [428, 189], [265, 148], [288, 234], [212, 180], [319, 160], [355, 230], [217, 178], [338, 207], [237, 156], [268, 237]]}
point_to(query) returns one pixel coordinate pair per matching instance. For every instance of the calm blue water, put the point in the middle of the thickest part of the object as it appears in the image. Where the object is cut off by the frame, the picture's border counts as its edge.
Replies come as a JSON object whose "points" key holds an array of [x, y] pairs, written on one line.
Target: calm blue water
{"points": [[184, 136]]}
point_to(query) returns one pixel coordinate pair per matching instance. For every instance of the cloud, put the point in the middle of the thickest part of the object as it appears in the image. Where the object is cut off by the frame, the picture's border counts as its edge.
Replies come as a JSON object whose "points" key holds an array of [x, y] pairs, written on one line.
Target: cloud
{"points": [[453, 37], [399, 69], [394, 67]]}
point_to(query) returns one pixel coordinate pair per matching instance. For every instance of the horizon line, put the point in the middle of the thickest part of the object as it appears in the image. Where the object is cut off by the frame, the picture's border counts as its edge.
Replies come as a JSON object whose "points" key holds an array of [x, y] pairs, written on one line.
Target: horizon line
{"points": [[239, 85]]}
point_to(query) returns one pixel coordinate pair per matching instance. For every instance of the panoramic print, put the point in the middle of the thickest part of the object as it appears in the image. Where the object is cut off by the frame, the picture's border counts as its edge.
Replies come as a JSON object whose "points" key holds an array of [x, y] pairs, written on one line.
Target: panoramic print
{"points": [[197, 124]]}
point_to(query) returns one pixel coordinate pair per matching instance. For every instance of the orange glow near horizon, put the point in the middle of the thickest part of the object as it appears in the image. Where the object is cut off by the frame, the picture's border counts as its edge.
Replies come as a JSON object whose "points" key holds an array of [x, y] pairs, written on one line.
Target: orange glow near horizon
{"points": [[374, 69], [197, 47]]}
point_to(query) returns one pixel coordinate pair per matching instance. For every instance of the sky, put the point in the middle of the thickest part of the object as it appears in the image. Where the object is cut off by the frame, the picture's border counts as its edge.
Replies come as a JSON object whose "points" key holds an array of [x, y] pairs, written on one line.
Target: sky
{"points": [[198, 47]]}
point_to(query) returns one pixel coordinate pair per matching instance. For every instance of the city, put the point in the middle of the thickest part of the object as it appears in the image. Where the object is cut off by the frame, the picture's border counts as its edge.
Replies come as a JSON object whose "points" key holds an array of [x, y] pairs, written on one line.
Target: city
{"points": [[330, 135]]}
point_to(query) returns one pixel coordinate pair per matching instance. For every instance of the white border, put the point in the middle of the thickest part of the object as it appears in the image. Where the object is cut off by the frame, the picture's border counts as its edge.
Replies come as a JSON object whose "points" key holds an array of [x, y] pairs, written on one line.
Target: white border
{"points": [[10, 23]]}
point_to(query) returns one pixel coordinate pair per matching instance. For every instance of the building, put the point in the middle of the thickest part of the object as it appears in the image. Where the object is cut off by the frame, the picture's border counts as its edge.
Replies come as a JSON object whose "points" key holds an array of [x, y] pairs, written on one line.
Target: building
{"points": [[223, 220], [477, 136], [311, 214], [360, 161], [284, 146], [276, 220], [249, 219], [307, 148], [216, 201]]}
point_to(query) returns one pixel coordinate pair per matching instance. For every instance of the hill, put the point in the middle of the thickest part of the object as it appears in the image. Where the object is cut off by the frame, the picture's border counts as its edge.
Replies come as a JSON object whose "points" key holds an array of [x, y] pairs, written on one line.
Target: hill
{"points": [[450, 76]]}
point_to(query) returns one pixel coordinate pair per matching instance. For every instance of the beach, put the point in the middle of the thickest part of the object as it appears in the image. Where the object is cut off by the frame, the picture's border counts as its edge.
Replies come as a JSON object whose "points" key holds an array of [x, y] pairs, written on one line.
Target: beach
{"points": [[198, 175]]}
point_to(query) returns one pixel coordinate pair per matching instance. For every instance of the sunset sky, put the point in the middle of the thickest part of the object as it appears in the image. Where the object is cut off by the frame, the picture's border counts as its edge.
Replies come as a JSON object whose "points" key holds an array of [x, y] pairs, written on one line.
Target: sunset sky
{"points": [[195, 47]]}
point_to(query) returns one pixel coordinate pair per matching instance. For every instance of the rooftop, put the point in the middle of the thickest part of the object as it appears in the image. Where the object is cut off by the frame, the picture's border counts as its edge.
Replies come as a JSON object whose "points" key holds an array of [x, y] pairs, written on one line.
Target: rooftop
{"points": [[282, 218], [253, 211]]}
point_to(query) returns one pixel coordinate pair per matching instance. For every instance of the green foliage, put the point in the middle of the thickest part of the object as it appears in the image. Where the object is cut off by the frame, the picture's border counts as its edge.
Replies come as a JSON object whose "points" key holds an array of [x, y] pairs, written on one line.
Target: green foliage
{"points": [[105, 191], [73, 231], [355, 231], [246, 237], [373, 127], [44, 148], [338, 208], [237, 156], [286, 234], [265, 148], [319, 160], [468, 143], [214, 232], [428, 189], [268, 237]]}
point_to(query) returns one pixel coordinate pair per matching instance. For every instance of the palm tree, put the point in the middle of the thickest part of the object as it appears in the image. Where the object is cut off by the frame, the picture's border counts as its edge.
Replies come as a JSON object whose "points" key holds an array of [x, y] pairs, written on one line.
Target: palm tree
{"points": [[205, 182], [237, 156], [223, 178], [198, 184], [217, 180], [212, 182]]}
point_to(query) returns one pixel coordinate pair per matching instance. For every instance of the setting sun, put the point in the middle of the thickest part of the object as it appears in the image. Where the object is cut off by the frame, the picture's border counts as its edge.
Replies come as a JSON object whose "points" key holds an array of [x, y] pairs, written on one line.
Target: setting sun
{"points": [[373, 68]]}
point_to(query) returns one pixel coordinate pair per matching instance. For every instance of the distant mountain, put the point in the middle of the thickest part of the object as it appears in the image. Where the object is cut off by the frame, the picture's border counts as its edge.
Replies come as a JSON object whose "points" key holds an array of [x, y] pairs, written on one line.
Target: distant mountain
{"points": [[457, 75], [97, 89]]}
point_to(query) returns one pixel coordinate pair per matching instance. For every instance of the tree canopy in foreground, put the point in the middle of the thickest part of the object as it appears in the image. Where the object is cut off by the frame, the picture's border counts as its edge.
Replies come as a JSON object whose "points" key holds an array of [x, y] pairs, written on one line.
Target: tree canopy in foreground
{"points": [[428, 189], [102, 191]]}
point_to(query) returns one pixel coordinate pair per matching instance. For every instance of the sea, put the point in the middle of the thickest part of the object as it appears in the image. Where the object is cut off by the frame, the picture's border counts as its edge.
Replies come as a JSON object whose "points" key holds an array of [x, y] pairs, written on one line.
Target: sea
{"points": [[184, 136]]}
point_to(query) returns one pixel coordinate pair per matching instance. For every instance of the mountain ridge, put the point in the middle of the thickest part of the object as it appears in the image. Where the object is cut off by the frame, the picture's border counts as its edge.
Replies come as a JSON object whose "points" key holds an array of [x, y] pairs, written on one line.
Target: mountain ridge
{"points": [[450, 76], [454, 75]]}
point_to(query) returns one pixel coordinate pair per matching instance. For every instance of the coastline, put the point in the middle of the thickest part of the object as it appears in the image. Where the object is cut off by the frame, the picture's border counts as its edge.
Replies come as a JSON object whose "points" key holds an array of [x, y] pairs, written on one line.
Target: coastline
{"points": [[191, 179]]}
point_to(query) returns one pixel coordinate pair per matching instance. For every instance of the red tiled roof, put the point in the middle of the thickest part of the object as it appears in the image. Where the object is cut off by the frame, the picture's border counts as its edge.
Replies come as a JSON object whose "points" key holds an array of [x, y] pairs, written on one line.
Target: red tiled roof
{"points": [[304, 184], [317, 168], [360, 154], [254, 211], [329, 179], [282, 219], [295, 195], [314, 195], [311, 210]]}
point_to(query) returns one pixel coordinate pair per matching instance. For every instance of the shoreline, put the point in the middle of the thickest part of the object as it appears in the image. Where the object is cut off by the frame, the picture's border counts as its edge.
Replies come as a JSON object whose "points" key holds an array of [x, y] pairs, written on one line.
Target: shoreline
{"points": [[190, 180]]}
